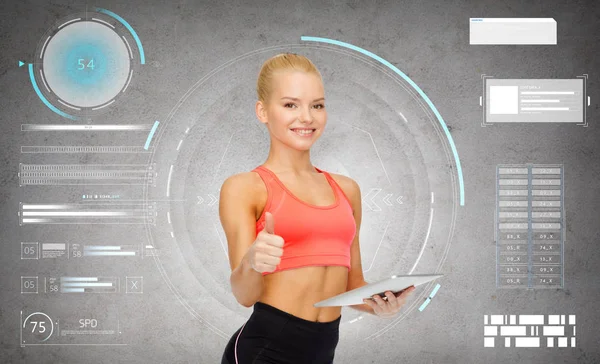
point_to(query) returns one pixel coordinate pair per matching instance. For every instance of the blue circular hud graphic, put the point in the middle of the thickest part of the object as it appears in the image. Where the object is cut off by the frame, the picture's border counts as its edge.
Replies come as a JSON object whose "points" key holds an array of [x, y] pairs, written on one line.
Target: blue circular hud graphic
{"points": [[86, 64]]}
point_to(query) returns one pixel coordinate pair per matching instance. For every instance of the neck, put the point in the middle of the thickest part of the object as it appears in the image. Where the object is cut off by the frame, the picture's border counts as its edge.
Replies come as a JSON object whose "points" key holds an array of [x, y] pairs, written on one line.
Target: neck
{"points": [[285, 159]]}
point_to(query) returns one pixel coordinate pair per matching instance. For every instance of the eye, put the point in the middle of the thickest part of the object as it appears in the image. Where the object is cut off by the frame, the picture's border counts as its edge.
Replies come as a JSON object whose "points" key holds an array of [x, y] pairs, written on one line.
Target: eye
{"points": [[321, 106], [288, 104]]}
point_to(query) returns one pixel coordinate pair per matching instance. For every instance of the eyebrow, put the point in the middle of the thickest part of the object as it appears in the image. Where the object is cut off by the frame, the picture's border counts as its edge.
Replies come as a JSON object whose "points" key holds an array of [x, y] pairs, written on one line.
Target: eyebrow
{"points": [[296, 99]]}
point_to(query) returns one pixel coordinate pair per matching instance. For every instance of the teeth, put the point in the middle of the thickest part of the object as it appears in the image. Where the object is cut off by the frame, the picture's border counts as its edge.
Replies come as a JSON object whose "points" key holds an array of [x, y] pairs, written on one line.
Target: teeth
{"points": [[304, 132]]}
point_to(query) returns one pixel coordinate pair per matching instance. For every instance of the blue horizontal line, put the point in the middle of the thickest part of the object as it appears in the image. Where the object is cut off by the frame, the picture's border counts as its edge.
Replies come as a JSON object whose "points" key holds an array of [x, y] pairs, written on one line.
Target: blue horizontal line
{"points": [[78, 279], [89, 253], [101, 247]]}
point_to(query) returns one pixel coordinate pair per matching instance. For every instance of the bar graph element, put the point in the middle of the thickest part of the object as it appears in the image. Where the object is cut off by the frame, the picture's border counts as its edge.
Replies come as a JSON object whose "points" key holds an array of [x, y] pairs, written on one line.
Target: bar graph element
{"points": [[87, 213], [87, 174], [46, 250], [86, 127], [80, 149], [83, 285]]}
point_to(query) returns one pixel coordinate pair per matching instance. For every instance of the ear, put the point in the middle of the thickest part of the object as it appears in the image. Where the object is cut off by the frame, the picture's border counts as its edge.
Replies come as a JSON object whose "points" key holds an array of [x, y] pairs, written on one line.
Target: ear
{"points": [[261, 112]]}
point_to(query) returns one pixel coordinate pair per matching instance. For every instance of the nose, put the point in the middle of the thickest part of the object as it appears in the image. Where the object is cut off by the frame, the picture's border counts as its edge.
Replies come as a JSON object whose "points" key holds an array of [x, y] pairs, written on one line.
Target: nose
{"points": [[305, 116]]}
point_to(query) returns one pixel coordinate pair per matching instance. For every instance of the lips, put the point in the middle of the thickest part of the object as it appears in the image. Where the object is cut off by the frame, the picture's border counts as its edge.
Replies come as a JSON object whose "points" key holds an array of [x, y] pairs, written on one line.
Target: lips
{"points": [[303, 132]]}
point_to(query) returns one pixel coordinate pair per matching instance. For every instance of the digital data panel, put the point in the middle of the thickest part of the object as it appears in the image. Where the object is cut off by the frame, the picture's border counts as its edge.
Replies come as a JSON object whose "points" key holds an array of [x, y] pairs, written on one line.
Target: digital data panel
{"points": [[534, 100], [529, 226], [494, 31]]}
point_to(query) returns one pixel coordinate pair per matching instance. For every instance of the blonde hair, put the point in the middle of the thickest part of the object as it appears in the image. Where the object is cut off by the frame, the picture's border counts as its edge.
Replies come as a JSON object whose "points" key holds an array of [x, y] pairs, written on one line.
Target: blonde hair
{"points": [[281, 62]]}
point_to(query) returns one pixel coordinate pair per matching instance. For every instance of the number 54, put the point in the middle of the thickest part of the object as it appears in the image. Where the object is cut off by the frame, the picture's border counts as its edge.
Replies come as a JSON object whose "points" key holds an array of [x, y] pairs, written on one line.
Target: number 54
{"points": [[82, 65]]}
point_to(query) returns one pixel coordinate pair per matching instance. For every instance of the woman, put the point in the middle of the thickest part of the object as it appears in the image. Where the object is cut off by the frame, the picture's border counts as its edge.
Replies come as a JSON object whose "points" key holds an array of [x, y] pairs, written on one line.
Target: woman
{"points": [[292, 230]]}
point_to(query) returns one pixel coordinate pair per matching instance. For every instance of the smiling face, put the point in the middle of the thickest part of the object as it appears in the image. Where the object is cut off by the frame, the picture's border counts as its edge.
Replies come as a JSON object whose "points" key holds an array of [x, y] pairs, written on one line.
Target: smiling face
{"points": [[295, 113]]}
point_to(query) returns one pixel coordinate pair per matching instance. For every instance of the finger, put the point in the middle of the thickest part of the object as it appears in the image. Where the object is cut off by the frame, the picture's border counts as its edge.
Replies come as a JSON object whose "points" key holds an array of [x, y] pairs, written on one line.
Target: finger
{"points": [[273, 251], [271, 260], [269, 223], [380, 302], [270, 268], [263, 257], [374, 306], [391, 298], [406, 292], [263, 267], [274, 240]]}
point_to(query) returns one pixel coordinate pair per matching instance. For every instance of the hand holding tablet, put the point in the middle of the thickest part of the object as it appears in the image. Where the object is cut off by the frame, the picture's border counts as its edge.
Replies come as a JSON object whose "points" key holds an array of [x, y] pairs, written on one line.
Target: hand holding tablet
{"points": [[384, 297], [393, 284], [389, 303]]}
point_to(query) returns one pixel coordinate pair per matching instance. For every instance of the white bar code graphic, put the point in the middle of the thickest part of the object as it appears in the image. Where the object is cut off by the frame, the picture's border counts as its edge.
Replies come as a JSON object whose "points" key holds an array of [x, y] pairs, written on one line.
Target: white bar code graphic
{"points": [[529, 331]]}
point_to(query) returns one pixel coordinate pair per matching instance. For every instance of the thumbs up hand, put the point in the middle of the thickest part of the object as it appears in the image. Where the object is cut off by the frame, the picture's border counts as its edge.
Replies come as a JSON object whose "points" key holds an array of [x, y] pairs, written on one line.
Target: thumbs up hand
{"points": [[265, 253]]}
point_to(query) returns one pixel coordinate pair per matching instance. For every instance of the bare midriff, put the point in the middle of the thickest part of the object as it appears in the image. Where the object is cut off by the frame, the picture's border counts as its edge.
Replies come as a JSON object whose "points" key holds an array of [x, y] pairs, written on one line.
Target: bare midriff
{"points": [[295, 291]]}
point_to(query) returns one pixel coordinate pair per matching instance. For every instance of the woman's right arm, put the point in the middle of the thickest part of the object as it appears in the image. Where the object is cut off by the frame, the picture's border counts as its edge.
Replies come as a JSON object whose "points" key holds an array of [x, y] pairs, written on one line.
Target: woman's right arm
{"points": [[237, 214]]}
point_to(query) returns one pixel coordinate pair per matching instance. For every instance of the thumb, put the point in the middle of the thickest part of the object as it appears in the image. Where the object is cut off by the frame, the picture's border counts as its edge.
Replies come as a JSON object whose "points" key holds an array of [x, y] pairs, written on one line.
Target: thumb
{"points": [[269, 223]]}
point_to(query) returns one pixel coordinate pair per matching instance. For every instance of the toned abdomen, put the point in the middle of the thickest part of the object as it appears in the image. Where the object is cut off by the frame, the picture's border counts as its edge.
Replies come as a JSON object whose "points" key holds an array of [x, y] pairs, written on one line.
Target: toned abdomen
{"points": [[296, 291]]}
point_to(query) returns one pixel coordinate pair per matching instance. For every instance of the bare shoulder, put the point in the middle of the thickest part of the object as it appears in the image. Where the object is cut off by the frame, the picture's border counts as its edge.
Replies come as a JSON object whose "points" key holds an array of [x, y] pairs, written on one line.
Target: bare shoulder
{"points": [[244, 183], [245, 187]]}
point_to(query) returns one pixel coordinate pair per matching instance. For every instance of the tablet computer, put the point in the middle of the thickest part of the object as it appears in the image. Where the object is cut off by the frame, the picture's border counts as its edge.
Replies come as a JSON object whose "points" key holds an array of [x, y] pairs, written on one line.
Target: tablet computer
{"points": [[394, 284]]}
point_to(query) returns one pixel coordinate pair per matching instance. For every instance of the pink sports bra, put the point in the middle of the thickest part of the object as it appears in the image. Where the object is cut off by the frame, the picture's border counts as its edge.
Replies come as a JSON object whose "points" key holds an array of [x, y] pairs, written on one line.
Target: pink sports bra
{"points": [[313, 235]]}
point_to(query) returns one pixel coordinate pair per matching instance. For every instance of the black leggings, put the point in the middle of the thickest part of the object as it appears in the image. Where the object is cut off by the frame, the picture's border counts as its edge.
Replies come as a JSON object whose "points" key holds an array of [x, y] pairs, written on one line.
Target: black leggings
{"points": [[274, 336]]}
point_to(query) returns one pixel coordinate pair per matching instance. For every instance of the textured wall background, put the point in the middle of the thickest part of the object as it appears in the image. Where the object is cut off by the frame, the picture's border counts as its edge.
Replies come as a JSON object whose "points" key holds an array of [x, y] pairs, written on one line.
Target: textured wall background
{"points": [[429, 41]]}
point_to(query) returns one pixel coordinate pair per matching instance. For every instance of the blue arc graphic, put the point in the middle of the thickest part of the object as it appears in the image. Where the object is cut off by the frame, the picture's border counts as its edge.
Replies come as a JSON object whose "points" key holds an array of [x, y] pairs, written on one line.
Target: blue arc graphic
{"points": [[151, 134], [44, 100], [416, 87], [130, 28]]}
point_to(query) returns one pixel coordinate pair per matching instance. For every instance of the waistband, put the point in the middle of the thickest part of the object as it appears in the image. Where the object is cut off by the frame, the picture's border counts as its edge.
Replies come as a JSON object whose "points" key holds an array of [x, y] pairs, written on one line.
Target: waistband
{"points": [[313, 325]]}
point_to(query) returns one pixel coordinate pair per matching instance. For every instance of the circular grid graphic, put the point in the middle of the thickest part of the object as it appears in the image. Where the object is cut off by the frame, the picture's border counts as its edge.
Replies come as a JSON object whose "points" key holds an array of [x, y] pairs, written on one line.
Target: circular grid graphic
{"points": [[85, 63], [379, 134]]}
